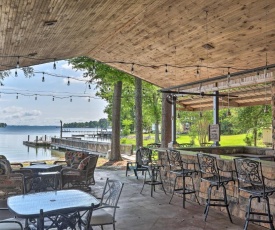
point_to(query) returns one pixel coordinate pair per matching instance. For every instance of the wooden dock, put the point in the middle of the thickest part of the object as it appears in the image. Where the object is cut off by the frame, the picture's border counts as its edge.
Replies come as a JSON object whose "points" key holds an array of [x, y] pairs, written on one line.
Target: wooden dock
{"points": [[37, 144], [99, 134]]}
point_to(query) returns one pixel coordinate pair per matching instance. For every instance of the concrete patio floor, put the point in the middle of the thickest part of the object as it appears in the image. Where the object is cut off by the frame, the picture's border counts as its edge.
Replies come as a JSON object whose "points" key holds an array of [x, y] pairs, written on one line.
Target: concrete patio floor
{"points": [[141, 211]]}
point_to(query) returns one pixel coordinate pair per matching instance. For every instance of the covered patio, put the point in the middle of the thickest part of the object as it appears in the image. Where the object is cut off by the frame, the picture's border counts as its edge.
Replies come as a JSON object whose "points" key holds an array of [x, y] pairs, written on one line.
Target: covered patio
{"points": [[189, 48], [140, 211]]}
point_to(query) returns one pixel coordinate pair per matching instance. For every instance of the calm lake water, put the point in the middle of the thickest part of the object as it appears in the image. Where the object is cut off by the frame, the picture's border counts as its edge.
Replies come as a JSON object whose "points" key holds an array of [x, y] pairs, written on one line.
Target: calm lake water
{"points": [[12, 137]]}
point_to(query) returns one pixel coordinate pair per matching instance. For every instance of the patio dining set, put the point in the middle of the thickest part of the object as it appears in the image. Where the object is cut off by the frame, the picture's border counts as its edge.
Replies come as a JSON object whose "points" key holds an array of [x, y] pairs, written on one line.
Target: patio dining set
{"points": [[247, 173], [56, 196]]}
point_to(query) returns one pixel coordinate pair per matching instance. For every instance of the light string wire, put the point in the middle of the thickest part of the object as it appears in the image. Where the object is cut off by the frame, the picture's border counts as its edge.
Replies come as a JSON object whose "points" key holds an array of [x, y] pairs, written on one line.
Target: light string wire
{"points": [[153, 66]]}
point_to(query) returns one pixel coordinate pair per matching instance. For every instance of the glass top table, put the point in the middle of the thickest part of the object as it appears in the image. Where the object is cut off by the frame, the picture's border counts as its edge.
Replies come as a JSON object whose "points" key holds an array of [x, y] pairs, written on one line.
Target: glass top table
{"points": [[29, 205], [36, 168]]}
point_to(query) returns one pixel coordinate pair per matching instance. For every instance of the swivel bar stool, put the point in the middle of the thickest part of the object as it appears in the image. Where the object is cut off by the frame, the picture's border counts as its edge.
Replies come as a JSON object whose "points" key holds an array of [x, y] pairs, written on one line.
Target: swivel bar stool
{"points": [[176, 166], [211, 173]]}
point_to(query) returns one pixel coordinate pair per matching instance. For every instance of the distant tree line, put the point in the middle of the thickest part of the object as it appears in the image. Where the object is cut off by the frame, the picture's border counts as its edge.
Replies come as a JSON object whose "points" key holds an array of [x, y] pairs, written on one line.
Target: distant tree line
{"points": [[102, 124], [3, 125]]}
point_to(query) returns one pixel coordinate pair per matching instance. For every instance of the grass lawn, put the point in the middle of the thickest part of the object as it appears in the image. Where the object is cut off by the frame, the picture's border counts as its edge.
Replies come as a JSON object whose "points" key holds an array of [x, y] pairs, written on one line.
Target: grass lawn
{"points": [[226, 140]]}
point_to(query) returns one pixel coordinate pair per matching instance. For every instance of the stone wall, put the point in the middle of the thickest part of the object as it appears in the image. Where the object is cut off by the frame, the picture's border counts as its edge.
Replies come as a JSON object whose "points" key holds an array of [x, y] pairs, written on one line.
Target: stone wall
{"points": [[238, 201]]}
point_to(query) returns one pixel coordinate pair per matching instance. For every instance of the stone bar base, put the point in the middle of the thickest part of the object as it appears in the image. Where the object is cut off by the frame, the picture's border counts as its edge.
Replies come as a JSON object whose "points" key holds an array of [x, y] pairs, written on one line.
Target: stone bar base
{"points": [[238, 201]]}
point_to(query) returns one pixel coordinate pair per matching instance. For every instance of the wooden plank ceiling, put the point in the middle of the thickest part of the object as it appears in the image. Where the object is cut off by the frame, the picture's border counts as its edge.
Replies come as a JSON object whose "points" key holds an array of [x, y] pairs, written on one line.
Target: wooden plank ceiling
{"points": [[164, 42]]}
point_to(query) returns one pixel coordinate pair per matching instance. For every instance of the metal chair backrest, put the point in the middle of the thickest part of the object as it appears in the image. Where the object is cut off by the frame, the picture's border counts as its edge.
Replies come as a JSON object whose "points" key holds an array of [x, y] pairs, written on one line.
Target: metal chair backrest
{"points": [[174, 160], [65, 220], [111, 192], [249, 171], [208, 164], [143, 156]]}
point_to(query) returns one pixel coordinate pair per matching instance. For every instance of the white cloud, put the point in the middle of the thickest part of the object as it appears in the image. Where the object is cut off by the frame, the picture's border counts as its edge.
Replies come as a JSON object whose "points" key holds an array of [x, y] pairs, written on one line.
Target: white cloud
{"points": [[67, 66], [14, 112]]}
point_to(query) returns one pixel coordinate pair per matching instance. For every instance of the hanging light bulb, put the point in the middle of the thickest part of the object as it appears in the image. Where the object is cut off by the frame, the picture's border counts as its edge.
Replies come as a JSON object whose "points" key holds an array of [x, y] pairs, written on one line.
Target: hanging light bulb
{"points": [[17, 63], [132, 69], [201, 114], [178, 115], [166, 68], [54, 64], [15, 73], [89, 99], [89, 86], [265, 109], [71, 99], [35, 97], [17, 96], [198, 71], [2, 84], [53, 98], [43, 78], [228, 112], [68, 83], [228, 73]]}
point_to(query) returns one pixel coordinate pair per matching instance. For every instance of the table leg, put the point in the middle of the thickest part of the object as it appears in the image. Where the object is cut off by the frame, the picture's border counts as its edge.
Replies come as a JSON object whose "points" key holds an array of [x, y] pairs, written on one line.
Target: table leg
{"points": [[183, 191]]}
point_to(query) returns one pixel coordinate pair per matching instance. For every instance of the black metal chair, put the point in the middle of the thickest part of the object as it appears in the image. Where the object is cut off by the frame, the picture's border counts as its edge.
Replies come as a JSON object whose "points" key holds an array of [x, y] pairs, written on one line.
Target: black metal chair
{"points": [[176, 166], [64, 219], [251, 180], [211, 173], [143, 158], [109, 200]]}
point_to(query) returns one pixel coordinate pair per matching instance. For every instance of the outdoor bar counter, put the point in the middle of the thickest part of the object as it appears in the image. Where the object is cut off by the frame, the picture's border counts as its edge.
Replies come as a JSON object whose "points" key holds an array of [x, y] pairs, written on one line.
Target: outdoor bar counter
{"points": [[238, 201]]}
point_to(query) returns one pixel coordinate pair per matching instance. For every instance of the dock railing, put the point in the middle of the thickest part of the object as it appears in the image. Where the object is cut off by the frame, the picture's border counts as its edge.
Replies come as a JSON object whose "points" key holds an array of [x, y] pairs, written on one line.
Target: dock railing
{"points": [[100, 148]]}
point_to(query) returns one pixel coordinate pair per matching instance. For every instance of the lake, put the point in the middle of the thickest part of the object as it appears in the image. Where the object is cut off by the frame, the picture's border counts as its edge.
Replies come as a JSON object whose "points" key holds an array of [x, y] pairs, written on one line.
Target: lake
{"points": [[12, 137]]}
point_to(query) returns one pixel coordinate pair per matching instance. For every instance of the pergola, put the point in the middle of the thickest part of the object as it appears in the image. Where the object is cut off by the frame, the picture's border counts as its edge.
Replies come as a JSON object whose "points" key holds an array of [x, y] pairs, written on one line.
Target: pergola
{"points": [[182, 46]]}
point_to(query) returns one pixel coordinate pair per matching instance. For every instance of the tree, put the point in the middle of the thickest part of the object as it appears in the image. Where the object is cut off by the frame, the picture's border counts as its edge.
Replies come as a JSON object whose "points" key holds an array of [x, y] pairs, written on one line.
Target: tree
{"points": [[109, 84], [254, 118]]}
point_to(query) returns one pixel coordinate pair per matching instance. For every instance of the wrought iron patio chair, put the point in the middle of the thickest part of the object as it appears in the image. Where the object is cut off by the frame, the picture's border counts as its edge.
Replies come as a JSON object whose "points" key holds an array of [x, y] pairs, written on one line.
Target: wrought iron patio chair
{"points": [[181, 169], [109, 200], [143, 158], [82, 177], [211, 173], [64, 219], [251, 180]]}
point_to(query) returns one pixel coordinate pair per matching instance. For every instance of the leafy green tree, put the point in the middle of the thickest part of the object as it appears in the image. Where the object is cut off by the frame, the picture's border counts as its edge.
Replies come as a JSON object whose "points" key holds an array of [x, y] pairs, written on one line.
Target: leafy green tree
{"points": [[109, 85], [254, 118]]}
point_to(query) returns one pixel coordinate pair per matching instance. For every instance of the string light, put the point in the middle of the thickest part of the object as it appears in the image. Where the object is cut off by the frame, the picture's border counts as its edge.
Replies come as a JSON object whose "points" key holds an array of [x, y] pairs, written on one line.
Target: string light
{"points": [[71, 99], [198, 70], [17, 63], [35, 97], [132, 69], [53, 98], [17, 96], [166, 68], [89, 99], [54, 64], [228, 73], [15, 73], [68, 83], [43, 78], [89, 86]]}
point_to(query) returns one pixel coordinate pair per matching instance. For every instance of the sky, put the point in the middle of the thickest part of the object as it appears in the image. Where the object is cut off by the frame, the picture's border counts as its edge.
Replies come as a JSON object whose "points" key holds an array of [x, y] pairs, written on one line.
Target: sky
{"points": [[35, 108]]}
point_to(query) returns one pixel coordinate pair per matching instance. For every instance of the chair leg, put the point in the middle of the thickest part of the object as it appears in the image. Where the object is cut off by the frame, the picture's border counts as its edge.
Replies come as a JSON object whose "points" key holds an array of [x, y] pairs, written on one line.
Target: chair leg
{"points": [[247, 215], [173, 189], [270, 218], [226, 202], [135, 171], [143, 183], [101, 227], [194, 190], [206, 210], [114, 226], [161, 182]]}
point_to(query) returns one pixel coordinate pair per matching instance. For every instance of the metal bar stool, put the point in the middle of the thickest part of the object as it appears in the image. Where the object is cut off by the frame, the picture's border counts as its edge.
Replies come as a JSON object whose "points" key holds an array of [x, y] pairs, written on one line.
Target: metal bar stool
{"points": [[176, 166], [251, 180], [210, 172]]}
